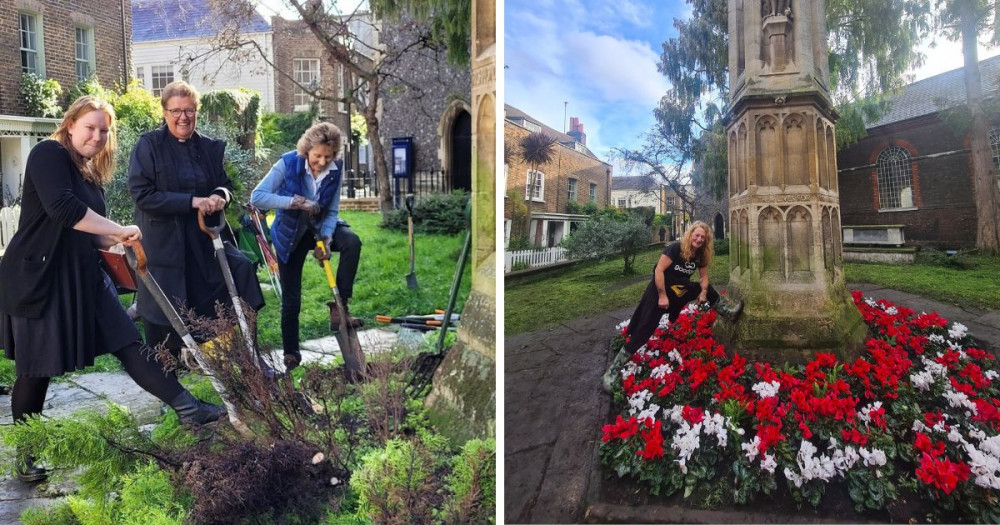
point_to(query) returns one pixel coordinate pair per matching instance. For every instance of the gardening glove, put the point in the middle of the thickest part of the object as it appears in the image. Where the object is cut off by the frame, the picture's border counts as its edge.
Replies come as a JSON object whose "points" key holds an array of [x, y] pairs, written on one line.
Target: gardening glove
{"points": [[324, 254], [301, 203]]}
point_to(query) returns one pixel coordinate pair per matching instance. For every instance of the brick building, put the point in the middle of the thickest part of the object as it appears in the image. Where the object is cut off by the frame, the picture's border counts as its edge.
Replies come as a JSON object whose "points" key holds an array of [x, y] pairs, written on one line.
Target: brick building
{"points": [[57, 40], [574, 174], [914, 169], [298, 53], [643, 191]]}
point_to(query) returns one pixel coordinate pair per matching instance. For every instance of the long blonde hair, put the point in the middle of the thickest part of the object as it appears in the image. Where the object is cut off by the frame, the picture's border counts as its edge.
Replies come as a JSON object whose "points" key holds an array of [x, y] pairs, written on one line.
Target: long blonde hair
{"points": [[101, 168], [703, 257]]}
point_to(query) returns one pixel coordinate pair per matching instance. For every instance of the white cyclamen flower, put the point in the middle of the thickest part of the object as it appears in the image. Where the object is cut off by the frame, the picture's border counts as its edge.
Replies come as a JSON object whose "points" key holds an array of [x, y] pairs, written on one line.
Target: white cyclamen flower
{"points": [[661, 371], [957, 331], [621, 326], [663, 323], [936, 338], [648, 412], [865, 414], [873, 458], [891, 310], [750, 448], [675, 356], [768, 463], [766, 389], [638, 401], [630, 369]]}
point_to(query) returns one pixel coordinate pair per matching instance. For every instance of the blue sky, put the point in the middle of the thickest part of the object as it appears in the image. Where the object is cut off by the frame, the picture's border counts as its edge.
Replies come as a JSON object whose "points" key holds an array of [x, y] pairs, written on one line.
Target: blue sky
{"points": [[601, 57]]}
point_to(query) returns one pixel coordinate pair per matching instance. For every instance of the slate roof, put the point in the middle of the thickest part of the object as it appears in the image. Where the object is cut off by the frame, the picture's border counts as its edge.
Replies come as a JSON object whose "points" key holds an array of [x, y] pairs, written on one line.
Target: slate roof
{"points": [[155, 20], [936, 93], [633, 183], [512, 113]]}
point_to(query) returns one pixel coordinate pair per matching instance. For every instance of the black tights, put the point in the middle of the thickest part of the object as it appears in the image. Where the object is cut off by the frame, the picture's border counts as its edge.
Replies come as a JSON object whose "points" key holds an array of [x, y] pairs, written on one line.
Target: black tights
{"points": [[27, 397]]}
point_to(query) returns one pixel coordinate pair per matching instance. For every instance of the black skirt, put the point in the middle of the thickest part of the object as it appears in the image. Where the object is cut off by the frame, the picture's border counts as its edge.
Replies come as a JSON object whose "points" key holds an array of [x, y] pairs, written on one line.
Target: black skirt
{"points": [[70, 333]]}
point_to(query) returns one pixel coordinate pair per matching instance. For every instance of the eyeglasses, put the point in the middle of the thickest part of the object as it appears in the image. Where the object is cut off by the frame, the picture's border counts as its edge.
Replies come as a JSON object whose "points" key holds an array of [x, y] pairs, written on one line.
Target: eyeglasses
{"points": [[176, 113]]}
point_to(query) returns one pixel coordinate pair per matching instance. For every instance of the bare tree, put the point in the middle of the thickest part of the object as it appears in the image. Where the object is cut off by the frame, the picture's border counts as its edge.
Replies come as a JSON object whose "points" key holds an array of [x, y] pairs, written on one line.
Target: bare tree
{"points": [[350, 40]]}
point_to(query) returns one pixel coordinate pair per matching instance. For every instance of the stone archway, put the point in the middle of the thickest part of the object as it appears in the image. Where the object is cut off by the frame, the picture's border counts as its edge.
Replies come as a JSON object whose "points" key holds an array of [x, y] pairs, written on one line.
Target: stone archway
{"points": [[455, 130], [720, 226]]}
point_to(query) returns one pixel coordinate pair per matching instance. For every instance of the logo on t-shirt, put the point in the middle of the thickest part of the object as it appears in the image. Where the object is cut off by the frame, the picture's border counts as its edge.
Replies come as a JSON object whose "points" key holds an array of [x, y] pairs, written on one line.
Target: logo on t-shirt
{"points": [[688, 268]]}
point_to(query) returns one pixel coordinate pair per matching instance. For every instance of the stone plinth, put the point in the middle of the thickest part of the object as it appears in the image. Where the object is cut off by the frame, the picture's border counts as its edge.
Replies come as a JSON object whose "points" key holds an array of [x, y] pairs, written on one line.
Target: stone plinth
{"points": [[785, 254]]}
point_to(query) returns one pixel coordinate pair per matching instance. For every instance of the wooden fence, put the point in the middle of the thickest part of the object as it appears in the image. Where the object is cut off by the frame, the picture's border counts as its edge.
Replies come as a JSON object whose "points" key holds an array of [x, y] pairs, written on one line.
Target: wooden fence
{"points": [[8, 225], [533, 258]]}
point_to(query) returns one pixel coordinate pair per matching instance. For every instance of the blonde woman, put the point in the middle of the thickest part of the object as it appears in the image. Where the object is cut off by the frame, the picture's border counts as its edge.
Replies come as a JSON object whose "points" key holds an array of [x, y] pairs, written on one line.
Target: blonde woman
{"points": [[304, 186], [671, 287], [58, 308]]}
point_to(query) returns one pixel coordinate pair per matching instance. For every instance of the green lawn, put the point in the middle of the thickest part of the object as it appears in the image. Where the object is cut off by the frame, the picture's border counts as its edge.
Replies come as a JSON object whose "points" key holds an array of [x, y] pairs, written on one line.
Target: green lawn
{"points": [[380, 288], [590, 288]]}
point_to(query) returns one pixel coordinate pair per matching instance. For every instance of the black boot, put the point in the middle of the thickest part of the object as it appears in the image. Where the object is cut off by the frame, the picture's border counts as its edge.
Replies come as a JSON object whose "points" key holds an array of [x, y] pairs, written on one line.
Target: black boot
{"points": [[730, 311], [28, 472], [192, 411], [335, 317]]}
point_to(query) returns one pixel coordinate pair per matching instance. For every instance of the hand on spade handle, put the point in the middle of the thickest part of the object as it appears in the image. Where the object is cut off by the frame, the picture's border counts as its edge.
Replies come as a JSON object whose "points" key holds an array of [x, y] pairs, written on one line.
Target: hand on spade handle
{"points": [[322, 250]]}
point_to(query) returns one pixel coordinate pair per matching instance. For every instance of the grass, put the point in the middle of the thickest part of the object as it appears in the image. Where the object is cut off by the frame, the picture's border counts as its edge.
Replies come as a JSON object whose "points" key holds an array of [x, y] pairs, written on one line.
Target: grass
{"points": [[592, 288], [380, 287], [977, 287]]}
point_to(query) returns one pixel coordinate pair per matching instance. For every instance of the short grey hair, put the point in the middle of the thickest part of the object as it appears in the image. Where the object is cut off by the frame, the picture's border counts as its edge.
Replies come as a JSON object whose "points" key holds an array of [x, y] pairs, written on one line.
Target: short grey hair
{"points": [[323, 133]]}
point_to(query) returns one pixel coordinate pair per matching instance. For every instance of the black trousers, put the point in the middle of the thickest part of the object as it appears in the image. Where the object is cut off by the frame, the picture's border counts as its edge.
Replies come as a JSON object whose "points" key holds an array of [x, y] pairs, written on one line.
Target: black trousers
{"points": [[27, 397], [647, 315], [345, 242]]}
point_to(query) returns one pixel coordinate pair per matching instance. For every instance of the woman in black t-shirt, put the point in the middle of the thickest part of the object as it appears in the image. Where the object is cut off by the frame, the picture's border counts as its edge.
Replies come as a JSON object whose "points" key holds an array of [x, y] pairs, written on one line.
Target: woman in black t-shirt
{"points": [[671, 287]]}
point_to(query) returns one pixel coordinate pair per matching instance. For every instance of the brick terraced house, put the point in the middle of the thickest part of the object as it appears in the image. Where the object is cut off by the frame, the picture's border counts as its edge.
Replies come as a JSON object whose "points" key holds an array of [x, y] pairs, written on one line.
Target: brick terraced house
{"points": [[914, 168], [574, 174], [53, 39]]}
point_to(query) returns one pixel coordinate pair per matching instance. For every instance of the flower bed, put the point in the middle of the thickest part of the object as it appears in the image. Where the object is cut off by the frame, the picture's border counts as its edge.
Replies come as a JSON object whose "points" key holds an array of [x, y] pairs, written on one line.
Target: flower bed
{"points": [[918, 413]]}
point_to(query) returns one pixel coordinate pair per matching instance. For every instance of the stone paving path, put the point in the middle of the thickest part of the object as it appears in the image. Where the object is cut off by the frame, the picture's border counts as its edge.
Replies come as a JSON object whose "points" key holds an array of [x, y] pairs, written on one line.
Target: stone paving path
{"points": [[554, 410], [93, 391]]}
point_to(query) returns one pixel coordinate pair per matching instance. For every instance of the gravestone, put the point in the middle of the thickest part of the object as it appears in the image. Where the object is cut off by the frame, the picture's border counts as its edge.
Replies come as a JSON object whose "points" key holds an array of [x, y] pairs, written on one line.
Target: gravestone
{"points": [[784, 204]]}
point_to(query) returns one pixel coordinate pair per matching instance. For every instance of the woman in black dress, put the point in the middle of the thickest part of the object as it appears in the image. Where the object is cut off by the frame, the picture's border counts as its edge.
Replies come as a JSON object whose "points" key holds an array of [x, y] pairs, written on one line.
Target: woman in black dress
{"points": [[174, 173], [58, 308], [671, 288]]}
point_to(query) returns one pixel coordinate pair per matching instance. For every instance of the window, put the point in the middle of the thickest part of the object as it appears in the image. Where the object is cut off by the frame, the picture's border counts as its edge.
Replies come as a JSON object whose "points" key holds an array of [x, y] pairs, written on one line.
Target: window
{"points": [[341, 88], [140, 76], [593, 192], [84, 52], [305, 72], [579, 147], [531, 126], [30, 49], [895, 182], [160, 77], [535, 189], [621, 203], [671, 202], [506, 168], [572, 190]]}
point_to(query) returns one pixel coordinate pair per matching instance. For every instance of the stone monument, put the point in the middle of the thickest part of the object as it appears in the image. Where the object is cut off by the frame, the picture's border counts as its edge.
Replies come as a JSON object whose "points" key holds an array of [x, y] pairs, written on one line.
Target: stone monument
{"points": [[462, 402], [784, 205]]}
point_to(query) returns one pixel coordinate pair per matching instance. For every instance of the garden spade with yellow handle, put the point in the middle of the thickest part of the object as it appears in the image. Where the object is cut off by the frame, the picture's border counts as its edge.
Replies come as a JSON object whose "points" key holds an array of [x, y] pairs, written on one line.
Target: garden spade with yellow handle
{"points": [[347, 336]]}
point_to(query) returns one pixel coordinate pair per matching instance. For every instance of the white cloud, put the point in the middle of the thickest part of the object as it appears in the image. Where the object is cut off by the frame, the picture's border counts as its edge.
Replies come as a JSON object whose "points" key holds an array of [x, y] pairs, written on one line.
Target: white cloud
{"points": [[945, 56], [619, 70]]}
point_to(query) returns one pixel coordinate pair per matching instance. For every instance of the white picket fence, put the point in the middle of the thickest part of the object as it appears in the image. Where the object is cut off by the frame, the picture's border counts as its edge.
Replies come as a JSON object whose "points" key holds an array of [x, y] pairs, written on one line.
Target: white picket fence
{"points": [[8, 225], [533, 257]]}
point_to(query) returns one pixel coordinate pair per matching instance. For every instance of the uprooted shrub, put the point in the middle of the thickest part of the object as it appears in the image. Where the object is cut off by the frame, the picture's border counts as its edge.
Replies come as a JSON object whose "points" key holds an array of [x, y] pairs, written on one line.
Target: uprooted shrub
{"points": [[304, 436]]}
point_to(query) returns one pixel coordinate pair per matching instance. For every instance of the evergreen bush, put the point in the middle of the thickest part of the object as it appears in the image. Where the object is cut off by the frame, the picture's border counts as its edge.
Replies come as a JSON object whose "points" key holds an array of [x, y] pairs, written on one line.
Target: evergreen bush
{"points": [[41, 96], [607, 236], [440, 213]]}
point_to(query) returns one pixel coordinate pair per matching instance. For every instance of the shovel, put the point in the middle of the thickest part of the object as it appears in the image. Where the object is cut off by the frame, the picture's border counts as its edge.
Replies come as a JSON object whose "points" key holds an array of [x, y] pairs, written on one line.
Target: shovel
{"points": [[347, 336], [227, 275], [136, 257], [411, 278]]}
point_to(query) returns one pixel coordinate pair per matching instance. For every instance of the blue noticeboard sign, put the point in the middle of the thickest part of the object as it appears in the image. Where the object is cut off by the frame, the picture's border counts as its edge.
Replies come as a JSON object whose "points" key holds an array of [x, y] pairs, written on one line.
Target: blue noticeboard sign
{"points": [[402, 157]]}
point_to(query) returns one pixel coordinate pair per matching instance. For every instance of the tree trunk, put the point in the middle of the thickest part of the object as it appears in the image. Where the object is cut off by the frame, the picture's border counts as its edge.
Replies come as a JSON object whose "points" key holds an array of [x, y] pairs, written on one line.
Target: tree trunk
{"points": [[985, 193], [378, 153]]}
